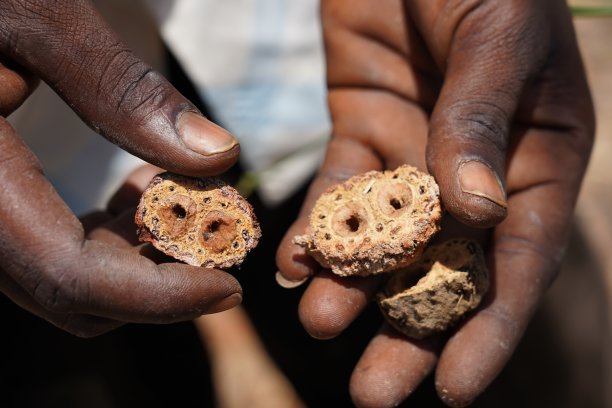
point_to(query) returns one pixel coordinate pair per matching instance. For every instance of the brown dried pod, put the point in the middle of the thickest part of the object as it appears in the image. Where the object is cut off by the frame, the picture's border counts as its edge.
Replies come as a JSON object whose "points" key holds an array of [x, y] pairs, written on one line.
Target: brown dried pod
{"points": [[453, 279], [200, 221], [374, 222]]}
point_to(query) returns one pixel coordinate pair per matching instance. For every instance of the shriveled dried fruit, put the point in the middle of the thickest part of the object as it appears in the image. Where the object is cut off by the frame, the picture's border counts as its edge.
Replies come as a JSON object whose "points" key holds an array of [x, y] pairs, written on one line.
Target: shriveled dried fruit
{"points": [[374, 222], [201, 221], [454, 282]]}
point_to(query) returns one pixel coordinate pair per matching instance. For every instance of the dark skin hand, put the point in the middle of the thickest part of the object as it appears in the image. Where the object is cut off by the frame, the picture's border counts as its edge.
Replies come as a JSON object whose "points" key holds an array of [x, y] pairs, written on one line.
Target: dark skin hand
{"points": [[49, 264], [491, 99]]}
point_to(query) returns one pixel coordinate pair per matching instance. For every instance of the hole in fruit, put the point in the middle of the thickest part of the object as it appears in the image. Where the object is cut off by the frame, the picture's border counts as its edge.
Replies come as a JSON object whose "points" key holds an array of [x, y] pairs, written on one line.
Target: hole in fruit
{"points": [[176, 215], [214, 226], [395, 203], [349, 220], [393, 199], [353, 223], [217, 231], [179, 211]]}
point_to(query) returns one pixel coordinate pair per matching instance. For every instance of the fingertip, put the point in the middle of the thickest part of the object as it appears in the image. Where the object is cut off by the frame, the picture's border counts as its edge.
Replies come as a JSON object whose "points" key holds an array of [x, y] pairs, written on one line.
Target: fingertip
{"points": [[479, 179], [203, 290], [224, 304], [474, 356], [205, 138], [331, 303], [472, 191], [294, 264], [319, 317], [390, 369], [451, 397], [286, 283], [372, 385], [17, 85]]}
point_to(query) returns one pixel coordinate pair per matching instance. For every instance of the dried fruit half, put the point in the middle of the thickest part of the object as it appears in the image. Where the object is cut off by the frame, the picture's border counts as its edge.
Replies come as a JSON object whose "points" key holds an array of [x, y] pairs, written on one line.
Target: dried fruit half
{"points": [[200, 221], [453, 279], [374, 222]]}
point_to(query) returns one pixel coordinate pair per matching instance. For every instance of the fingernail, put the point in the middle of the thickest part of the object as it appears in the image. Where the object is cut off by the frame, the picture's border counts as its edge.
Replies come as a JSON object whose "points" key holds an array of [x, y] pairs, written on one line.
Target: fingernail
{"points": [[204, 137], [288, 283], [225, 303], [478, 179]]}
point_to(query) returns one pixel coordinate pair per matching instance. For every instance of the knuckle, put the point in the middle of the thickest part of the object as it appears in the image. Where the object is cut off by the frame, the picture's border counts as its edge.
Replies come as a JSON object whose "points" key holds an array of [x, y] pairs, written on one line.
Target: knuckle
{"points": [[53, 284], [481, 122], [56, 290], [139, 91]]}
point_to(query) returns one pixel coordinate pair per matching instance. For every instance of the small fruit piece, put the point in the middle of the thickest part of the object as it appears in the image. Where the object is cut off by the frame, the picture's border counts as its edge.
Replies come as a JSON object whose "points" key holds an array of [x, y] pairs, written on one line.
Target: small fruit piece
{"points": [[201, 221], [454, 282], [374, 222]]}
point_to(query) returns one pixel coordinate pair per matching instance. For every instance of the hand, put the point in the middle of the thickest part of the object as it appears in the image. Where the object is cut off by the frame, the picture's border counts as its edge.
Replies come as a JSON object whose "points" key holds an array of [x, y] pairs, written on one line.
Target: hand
{"points": [[492, 99], [47, 263]]}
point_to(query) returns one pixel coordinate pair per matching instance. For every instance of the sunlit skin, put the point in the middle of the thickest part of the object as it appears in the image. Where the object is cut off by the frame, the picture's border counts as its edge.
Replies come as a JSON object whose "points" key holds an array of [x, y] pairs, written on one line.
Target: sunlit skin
{"points": [[490, 98]]}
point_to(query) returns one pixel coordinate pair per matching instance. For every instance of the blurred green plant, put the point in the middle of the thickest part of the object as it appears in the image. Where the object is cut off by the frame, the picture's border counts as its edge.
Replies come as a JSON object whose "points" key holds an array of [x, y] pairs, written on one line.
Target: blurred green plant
{"points": [[248, 183], [591, 11]]}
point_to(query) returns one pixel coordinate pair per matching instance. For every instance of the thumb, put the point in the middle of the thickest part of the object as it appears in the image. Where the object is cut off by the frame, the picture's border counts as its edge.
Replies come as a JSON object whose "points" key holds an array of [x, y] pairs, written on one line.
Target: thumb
{"points": [[73, 49], [492, 52]]}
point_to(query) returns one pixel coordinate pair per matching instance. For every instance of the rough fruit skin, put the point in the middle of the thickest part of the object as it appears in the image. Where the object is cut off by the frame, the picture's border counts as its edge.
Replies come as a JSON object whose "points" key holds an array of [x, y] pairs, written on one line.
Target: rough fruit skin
{"points": [[200, 221], [374, 222], [456, 278]]}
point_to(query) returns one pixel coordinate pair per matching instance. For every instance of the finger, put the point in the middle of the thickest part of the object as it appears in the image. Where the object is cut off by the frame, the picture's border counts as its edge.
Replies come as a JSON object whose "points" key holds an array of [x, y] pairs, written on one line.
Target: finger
{"points": [[331, 303], [121, 285], [43, 249], [527, 250], [489, 52], [391, 368], [69, 46], [79, 325], [17, 85]]}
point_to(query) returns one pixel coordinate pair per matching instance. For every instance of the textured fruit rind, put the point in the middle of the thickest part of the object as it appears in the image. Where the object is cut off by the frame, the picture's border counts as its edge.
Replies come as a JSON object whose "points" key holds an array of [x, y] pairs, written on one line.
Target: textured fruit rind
{"points": [[374, 222], [453, 279], [200, 221]]}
